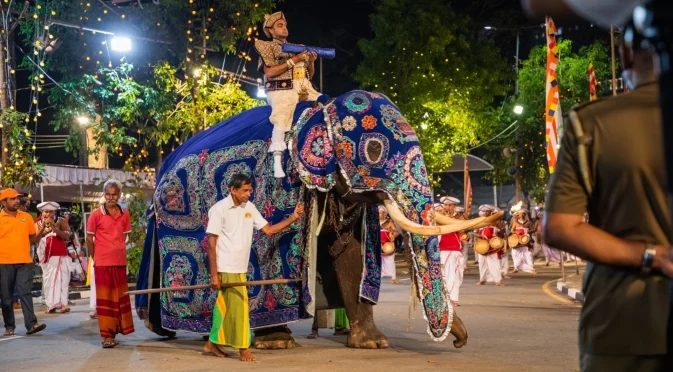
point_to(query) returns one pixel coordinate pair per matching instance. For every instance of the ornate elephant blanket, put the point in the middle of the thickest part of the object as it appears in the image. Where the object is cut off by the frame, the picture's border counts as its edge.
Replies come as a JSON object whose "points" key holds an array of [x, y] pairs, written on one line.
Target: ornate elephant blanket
{"points": [[364, 136], [191, 180], [360, 134]]}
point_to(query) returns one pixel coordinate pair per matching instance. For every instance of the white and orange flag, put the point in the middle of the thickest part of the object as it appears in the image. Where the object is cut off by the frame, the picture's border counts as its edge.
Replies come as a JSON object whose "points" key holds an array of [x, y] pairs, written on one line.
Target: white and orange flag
{"points": [[592, 83], [554, 119], [468, 190]]}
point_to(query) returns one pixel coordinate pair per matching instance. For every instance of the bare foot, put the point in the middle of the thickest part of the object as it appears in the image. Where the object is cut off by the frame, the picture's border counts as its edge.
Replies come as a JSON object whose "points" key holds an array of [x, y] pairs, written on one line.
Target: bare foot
{"points": [[395, 281], [515, 271], [313, 334], [246, 355], [499, 284], [211, 348], [455, 303], [481, 282], [65, 310], [52, 311], [507, 277], [534, 272]]}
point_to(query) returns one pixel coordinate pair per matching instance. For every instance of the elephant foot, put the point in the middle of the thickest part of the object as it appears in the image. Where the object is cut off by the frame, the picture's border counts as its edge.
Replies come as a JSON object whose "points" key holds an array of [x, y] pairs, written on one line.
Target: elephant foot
{"points": [[459, 332], [367, 337], [273, 339]]}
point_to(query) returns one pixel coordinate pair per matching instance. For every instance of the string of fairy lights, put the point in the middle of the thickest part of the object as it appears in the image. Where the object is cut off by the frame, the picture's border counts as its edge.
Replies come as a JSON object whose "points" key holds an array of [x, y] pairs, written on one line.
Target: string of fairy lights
{"points": [[96, 51]]}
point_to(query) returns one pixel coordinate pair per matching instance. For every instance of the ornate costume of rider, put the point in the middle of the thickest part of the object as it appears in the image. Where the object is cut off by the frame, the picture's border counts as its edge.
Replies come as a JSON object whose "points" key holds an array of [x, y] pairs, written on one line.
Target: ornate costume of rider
{"points": [[283, 91]]}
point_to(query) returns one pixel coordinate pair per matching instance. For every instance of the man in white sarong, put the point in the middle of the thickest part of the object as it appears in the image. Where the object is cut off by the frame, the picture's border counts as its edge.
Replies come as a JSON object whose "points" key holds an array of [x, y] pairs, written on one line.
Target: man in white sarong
{"points": [[550, 254], [451, 252], [54, 257], [388, 234], [521, 254], [489, 263], [459, 214]]}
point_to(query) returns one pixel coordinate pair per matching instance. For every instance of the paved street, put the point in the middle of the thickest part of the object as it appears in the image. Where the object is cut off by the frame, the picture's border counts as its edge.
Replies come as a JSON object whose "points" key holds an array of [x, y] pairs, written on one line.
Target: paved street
{"points": [[525, 326]]}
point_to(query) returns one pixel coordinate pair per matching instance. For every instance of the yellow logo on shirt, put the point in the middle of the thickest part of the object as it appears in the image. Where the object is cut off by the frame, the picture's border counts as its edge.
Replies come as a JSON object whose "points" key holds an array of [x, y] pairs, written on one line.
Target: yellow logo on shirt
{"points": [[248, 215]]}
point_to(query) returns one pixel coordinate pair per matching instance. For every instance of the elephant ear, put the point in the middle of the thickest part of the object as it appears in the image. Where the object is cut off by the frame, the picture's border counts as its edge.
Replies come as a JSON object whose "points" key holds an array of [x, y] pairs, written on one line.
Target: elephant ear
{"points": [[312, 150]]}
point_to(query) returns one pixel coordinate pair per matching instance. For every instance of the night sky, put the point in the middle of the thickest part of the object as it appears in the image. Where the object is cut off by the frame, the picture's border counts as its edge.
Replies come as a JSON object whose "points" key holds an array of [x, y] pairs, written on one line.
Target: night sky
{"points": [[340, 24]]}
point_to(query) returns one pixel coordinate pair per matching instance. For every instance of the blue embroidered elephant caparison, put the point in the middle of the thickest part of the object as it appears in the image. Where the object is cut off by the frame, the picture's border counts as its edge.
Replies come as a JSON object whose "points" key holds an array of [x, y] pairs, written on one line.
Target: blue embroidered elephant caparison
{"points": [[337, 137]]}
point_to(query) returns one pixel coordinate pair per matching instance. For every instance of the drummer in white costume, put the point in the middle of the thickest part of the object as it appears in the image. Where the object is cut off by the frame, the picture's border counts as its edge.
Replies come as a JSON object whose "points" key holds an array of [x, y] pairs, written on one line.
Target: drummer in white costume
{"points": [[388, 234], [521, 254], [464, 237], [451, 253], [489, 263]]}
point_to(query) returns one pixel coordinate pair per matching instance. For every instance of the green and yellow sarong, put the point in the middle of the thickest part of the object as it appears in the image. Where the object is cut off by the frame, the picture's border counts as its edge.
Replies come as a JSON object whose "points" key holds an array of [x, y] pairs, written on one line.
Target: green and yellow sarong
{"points": [[340, 319], [231, 320]]}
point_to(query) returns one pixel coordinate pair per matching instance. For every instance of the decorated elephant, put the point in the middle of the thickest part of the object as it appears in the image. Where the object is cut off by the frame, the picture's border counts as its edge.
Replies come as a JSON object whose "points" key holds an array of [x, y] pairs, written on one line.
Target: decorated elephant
{"points": [[345, 157]]}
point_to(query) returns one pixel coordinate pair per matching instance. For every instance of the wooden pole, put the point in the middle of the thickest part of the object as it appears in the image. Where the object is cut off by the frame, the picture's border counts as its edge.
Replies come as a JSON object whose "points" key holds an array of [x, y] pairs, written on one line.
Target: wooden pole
{"points": [[224, 285], [614, 64]]}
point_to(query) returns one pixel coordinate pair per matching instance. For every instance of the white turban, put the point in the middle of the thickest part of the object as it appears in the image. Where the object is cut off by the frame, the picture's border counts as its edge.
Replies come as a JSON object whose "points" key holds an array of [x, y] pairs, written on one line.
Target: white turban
{"points": [[48, 206], [486, 208], [113, 181], [449, 200], [438, 206]]}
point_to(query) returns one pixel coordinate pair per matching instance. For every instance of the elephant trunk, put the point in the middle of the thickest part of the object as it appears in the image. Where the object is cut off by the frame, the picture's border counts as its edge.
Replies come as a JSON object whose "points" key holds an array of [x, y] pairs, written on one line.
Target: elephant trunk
{"points": [[459, 331]]}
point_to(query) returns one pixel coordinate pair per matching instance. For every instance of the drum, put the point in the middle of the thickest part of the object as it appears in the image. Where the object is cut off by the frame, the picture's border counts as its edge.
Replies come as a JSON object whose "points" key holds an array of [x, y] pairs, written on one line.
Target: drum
{"points": [[513, 240], [481, 246], [496, 242], [463, 237], [388, 248], [524, 239]]}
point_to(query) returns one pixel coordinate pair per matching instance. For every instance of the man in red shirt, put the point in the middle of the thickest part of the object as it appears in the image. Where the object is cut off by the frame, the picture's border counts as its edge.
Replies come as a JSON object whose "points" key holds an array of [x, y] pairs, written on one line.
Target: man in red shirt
{"points": [[489, 263], [17, 232], [109, 224], [451, 252]]}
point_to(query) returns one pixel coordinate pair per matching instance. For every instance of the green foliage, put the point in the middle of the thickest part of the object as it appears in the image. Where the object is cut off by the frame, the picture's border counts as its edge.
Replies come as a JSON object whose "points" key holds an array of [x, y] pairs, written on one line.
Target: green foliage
{"points": [[161, 108], [22, 168], [196, 103], [215, 25], [443, 81], [137, 208], [573, 78]]}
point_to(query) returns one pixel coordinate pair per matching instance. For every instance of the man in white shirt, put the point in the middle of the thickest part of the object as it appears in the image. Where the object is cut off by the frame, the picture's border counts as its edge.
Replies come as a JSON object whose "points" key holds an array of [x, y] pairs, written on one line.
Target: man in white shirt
{"points": [[230, 229]]}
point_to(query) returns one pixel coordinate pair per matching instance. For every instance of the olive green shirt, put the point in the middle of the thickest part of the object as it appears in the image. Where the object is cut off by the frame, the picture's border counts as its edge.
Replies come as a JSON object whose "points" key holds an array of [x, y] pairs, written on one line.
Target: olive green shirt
{"points": [[625, 312]]}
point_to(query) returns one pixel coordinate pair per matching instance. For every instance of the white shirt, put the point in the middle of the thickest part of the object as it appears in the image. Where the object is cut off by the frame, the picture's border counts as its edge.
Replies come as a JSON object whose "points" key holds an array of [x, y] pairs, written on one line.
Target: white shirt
{"points": [[233, 227]]}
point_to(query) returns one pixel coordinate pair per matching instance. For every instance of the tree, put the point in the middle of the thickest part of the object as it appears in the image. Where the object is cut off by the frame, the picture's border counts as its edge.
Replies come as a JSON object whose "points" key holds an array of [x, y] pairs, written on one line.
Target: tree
{"points": [[71, 39], [127, 113], [17, 162], [529, 138], [444, 82]]}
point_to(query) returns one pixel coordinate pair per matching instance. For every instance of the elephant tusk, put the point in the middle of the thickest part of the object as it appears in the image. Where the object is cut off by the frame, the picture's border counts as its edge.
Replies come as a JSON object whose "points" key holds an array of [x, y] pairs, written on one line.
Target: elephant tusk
{"points": [[479, 221], [398, 216]]}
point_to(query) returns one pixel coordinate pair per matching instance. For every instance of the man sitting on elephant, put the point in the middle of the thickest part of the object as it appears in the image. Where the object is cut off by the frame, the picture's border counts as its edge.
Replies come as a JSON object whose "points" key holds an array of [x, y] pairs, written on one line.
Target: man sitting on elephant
{"points": [[286, 82], [230, 229]]}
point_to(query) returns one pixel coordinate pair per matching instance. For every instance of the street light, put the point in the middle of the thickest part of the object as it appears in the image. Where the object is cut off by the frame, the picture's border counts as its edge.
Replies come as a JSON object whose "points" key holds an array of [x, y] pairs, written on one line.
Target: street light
{"points": [[489, 28], [518, 109], [120, 44], [83, 120]]}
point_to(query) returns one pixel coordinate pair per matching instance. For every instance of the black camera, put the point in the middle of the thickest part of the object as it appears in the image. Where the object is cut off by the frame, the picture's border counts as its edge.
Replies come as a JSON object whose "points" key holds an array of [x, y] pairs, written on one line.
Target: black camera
{"points": [[74, 220]]}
